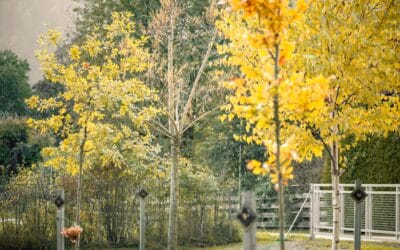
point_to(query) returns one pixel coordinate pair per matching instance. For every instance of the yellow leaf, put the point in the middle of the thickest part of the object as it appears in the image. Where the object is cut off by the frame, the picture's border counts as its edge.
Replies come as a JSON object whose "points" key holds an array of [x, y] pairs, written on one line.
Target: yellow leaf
{"points": [[32, 102], [74, 53], [252, 164], [222, 118], [248, 127]]}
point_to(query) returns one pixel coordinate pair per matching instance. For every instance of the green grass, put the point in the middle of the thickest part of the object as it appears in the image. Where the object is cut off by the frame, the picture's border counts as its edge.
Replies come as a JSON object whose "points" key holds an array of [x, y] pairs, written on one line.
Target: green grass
{"points": [[302, 241], [326, 244]]}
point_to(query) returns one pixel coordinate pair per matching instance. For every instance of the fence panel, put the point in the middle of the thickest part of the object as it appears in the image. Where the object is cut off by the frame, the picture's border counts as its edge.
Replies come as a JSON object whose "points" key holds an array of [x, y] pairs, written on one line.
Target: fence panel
{"points": [[380, 211]]}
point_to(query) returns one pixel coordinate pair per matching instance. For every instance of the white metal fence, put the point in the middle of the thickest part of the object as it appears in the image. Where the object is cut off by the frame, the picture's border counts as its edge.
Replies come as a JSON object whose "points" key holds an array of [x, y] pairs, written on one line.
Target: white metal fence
{"points": [[380, 219]]}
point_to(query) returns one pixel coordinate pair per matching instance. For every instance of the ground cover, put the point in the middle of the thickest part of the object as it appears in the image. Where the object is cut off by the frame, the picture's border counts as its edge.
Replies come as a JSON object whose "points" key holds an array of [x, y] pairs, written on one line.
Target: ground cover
{"points": [[269, 241]]}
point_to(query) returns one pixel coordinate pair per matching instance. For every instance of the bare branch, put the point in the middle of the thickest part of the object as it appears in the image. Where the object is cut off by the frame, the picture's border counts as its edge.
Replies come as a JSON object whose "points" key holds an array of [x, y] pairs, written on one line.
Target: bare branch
{"points": [[199, 73], [159, 128], [201, 116]]}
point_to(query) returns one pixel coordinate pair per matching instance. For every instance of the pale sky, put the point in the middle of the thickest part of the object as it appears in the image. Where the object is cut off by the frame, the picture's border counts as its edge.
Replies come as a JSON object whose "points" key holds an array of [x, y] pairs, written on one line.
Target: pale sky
{"points": [[21, 22]]}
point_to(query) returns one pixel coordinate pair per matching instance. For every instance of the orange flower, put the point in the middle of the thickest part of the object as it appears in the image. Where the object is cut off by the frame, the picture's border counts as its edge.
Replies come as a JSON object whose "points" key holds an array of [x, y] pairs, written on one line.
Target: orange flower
{"points": [[72, 233]]}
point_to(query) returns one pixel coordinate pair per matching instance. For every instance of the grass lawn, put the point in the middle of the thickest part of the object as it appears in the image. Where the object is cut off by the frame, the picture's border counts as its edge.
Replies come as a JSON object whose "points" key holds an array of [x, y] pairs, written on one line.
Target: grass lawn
{"points": [[268, 241]]}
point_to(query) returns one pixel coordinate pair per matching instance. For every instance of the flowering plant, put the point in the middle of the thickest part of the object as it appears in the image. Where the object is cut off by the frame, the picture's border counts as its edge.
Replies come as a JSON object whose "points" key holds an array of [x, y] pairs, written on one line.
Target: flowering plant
{"points": [[72, 233]]}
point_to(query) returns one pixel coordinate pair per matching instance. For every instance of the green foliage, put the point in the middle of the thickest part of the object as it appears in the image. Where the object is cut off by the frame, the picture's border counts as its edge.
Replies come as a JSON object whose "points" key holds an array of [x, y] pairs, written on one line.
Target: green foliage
{"points": [[374, 161], [18, 146], [46, 89], [28, 211], [14, 87], [226, 156], [110, 208], [91, 13], [307, 172], [326, 169], [25, 240]]}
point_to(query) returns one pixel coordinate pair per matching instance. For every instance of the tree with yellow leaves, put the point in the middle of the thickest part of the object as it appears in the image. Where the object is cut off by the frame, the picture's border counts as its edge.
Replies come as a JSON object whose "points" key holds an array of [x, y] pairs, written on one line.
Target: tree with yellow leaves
{"points": [[356, 44], [352, 42], [269, 94], [103, 110]]}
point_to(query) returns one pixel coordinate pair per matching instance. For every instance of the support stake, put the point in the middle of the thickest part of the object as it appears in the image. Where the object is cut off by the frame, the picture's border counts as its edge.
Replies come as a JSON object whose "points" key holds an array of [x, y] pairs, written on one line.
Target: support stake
{"points": [[358, 195], [248, 218], [59, 202], [142, 194]]}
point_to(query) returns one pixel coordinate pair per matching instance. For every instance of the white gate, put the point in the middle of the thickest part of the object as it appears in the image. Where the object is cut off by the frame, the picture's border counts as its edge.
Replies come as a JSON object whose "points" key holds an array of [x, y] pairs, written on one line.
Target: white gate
{"points": [[380, 215]]}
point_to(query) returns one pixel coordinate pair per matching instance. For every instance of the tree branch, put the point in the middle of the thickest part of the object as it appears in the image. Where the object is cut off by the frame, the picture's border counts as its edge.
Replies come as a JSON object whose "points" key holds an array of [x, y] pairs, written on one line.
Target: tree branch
{"points": [[197, 79], [198, 118], [158, 127]]}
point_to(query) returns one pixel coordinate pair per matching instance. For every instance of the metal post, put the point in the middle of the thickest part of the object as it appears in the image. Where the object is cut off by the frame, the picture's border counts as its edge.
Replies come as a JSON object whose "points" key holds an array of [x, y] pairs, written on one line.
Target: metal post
{"points": [[369, 201], [357, 221], [397, 195], [230, 215], [142, 224], [60, 222], [312, 211], [342, 204], [317, 208], [249, 239]]}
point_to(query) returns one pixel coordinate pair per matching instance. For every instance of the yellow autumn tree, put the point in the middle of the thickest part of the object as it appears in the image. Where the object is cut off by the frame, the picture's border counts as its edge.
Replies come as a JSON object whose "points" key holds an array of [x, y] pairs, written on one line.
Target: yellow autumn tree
{"points": [[352, 42], [103, 109], [356, 44], [268, 93]]}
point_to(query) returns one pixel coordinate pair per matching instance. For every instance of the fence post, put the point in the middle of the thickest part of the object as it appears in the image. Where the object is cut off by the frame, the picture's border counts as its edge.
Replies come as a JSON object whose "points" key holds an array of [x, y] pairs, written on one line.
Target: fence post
{"points": [[358, 195], [317, 208], [60, 219], [249, 239], [312, 236], [342, 204], [142, 228], [357, 221], [142, 224], [397, 195], [368, 216], [230, 215]]}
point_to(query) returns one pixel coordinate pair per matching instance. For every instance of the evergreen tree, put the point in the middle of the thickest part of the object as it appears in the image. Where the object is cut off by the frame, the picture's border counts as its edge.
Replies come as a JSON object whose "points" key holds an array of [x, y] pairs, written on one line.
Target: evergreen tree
{"points": [[14, 87]]}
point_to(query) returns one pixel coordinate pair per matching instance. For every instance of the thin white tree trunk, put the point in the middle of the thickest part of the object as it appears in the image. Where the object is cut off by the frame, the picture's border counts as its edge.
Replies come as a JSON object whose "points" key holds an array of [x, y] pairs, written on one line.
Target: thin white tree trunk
{"points": [[172, 240], [79, 187], [173, 200], [278, 152], [335, 197], [178, 120]]}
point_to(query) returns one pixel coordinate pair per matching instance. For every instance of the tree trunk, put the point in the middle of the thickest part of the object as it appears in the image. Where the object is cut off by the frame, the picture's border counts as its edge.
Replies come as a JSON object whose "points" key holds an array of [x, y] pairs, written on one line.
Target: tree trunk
{"points": [[216, 211], [172, 240], [3, 222], [230, 216], [335, 196], [278, 152], [173, 200], [79, 187], [100, 224], [280, 183], [202, 208]]}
